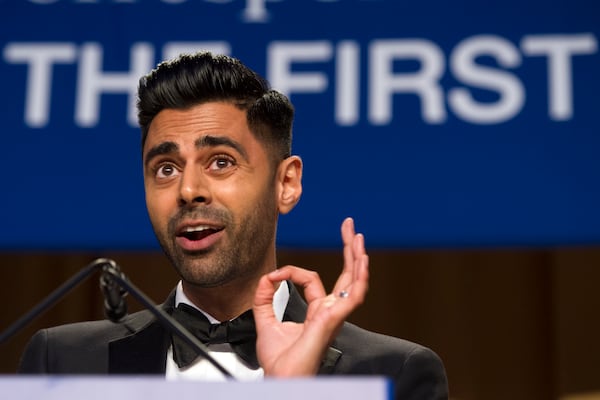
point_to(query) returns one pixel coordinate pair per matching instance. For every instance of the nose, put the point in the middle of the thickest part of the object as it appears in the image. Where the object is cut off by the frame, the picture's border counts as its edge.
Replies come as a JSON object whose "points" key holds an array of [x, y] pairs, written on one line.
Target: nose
{"points": [[193, 187]]}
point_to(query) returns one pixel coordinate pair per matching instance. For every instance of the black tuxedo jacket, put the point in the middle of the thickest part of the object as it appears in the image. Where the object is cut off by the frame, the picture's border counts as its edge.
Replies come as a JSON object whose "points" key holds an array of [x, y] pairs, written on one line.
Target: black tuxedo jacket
{"points": [[138, 345]]}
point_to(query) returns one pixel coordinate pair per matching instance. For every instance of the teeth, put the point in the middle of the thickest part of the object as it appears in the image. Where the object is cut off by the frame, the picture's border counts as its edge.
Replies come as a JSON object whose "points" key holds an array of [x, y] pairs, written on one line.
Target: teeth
{"points": [[198, 228]]}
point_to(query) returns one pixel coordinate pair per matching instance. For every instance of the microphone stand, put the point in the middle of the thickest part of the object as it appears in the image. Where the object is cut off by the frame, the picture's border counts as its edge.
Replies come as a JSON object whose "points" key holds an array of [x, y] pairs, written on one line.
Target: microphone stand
{"points": [[111, 271]]}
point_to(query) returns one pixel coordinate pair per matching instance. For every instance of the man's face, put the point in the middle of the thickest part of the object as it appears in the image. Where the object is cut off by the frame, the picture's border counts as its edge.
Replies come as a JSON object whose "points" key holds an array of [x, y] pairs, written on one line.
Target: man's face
{"points": [[210, 194]]}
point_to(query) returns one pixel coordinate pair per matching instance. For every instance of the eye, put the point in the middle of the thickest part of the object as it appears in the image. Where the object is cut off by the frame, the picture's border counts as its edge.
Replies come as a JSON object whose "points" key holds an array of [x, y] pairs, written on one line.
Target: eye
{"points": [[220, 163], [166, 171]]}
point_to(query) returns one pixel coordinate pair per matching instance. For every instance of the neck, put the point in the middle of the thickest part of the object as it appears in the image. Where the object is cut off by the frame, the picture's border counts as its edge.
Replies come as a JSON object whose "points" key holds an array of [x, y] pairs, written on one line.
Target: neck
{"points": [[226, 301], [234, 297]]}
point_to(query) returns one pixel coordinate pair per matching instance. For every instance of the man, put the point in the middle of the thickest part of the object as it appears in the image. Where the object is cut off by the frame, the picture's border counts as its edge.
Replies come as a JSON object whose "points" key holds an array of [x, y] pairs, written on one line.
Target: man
{"points": [[218, 171]]}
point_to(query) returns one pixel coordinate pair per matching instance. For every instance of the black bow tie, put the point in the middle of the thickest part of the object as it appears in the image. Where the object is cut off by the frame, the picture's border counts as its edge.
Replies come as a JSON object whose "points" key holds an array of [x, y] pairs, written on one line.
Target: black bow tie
{"points": [[240, 333]]}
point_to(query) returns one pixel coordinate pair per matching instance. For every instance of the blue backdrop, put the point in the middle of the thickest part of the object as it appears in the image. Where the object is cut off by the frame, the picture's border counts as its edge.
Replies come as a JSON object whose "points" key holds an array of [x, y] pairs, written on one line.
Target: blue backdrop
{"points": [[433, 123]]}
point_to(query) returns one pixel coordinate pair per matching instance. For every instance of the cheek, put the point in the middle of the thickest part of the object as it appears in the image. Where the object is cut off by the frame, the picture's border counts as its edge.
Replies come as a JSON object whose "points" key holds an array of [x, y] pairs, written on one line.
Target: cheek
{"points": [[241, 194], [157, 205]]}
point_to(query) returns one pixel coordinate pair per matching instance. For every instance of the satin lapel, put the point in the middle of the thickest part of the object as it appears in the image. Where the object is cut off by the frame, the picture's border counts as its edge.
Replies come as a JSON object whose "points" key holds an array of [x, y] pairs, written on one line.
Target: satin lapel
{"points": [[144, 350], [296, 307], [296, 312]]}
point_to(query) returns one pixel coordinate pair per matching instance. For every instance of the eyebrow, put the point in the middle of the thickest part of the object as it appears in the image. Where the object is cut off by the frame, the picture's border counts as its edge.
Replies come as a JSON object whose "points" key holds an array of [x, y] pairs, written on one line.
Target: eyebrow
{"points": [[204, 141], [214, 141], [160, 149]]}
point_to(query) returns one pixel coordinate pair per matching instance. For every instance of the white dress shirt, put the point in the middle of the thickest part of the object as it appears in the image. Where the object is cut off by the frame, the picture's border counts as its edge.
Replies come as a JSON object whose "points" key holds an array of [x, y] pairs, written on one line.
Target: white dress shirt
{"points": [[203, 370]]}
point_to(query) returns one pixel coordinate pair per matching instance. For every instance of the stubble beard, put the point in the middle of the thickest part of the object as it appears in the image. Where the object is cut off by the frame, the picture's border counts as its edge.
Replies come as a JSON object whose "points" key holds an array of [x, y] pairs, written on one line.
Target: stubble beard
{"points": [[240, 254]]}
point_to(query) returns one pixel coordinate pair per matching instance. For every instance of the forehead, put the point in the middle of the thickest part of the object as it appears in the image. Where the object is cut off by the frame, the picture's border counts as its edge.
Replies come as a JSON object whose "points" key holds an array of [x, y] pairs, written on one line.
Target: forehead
{"points": [[188, 125]]}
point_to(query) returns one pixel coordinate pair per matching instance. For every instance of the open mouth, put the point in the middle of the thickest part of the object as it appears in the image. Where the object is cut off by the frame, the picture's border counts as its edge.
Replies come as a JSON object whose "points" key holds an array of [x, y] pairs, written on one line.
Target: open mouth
{"points": [[195, 233]]}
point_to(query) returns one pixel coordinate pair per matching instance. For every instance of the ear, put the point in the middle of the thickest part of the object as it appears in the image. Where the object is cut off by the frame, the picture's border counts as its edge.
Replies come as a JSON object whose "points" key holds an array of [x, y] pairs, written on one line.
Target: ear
{"points": [[289, 183]]}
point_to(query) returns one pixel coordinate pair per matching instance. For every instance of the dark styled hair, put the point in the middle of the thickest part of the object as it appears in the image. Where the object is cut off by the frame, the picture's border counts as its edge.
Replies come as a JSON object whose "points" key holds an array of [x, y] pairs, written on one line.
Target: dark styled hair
{"points": [[193, 79]]}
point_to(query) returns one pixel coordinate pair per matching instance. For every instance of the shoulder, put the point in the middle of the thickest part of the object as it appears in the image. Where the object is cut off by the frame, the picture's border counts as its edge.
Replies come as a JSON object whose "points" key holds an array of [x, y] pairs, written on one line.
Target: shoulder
{"points": [[417, 371], [51, 350], [104, 330], [360, 344]]}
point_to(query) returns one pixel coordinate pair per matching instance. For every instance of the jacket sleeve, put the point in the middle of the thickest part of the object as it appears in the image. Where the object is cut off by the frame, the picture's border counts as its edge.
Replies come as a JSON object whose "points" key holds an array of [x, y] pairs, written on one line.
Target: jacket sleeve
{"points": [[35, 356], [422, 377]]}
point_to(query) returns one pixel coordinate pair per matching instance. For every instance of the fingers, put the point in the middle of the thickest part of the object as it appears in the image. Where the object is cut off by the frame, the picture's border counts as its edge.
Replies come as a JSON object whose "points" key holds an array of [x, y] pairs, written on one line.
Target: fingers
{"points": [[332, 308], [348, 238], [347, 274], [263, 302], [355, 257], [263, 299], [308, 280], [353, 280]]}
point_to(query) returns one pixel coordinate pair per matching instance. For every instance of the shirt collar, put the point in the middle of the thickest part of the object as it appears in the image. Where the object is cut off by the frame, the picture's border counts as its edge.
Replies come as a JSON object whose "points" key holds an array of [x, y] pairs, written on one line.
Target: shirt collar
{"points": [[280, 300]]}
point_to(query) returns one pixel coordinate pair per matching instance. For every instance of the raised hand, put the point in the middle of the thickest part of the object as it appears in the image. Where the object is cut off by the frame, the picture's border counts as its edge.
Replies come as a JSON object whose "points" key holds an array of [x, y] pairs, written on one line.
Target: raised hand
{"points": [[287, 349]]}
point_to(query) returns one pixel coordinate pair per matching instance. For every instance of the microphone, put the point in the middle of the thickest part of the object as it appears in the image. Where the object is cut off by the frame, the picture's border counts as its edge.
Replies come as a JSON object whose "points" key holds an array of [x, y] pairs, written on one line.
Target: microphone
{"points": [[115, 306]]}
